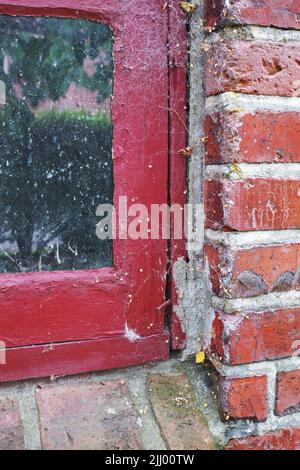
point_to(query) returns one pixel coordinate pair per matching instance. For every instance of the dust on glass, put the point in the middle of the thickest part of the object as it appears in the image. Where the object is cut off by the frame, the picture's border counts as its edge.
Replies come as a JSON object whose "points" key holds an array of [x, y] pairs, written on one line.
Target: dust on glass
{"points": [[56, 82]]}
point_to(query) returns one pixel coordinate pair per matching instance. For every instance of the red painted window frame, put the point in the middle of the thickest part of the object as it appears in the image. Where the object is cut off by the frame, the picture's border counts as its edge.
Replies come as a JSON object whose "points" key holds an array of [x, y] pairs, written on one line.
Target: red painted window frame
{"points": [[177, 163], [56, 323]]}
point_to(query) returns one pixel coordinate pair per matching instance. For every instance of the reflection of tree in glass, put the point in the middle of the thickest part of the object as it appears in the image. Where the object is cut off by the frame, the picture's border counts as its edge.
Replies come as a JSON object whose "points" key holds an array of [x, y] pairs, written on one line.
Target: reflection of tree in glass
{"points": [[55, 166]]}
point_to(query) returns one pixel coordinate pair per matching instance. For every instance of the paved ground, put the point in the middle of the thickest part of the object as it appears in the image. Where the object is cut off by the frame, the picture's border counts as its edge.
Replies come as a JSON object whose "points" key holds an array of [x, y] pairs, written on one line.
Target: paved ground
{"points": [[156, 407]]}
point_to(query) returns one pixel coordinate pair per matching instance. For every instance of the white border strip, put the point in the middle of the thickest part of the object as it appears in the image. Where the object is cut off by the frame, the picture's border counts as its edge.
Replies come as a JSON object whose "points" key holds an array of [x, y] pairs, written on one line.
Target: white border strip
{"points": [[238, 102]]}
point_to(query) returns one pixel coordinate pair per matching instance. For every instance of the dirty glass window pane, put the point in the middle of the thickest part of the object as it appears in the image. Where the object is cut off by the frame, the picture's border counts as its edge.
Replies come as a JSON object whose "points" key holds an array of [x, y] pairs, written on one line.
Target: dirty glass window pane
{"points": [[56, 80]]}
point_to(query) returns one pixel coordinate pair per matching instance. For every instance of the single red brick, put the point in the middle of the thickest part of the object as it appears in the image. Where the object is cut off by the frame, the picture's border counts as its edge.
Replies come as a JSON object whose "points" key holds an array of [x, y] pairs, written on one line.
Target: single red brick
{"points": [[213, 200], [287, 392], [255, 138], [215, 12], [284, 14], [252, 204], [181, 422], [258, 336], [284, 439], [276, 264], [11, 433], [90, 416], [212, 253], [217, 335], [243, 398], [254, 67], [241, 272]]}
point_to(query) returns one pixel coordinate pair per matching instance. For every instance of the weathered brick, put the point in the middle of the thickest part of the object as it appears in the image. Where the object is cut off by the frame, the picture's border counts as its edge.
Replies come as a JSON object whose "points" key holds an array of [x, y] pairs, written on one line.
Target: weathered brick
{"points": [[215, 12], [242, 272], [252, 204], [237, 137], [253, 67], [243, 398], [257, 336], [215, 262], [91, 416], [217, 334], [181, 422], [286, 439], [288, 392], [11, 433], [284, 14]]}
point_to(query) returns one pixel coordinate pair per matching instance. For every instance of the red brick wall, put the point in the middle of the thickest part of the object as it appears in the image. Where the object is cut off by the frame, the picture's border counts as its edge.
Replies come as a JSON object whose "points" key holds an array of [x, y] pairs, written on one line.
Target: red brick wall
{"points": [[252, 200]]}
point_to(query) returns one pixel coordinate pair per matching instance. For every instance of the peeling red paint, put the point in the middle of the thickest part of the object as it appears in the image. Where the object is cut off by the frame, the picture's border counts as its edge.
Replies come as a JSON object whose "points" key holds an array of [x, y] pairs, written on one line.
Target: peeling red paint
{"points": [[178, 136]]}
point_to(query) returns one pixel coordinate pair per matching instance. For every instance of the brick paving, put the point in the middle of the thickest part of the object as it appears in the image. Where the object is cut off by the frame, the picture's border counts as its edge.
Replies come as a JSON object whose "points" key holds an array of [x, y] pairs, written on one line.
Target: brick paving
{"points": [[150, 407], [182, 424], [11, 434]]}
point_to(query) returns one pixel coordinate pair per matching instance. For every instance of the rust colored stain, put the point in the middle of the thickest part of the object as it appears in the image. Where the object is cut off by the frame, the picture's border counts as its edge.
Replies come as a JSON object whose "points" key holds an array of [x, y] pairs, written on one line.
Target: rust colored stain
{"points": [[256, 67]]}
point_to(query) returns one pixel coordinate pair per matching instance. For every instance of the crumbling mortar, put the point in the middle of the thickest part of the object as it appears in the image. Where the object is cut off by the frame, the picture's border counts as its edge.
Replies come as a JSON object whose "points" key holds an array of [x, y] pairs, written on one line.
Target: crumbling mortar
{"points": [[238, 102], [242, 171], [261, 368], [191, 277], [252, 33], [252, 239], [194, 294], [271, 301]]}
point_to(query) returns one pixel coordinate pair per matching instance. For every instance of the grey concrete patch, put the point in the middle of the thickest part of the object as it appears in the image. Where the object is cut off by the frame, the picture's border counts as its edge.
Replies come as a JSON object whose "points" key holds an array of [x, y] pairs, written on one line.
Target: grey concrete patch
{"points": [[194, 304]]}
